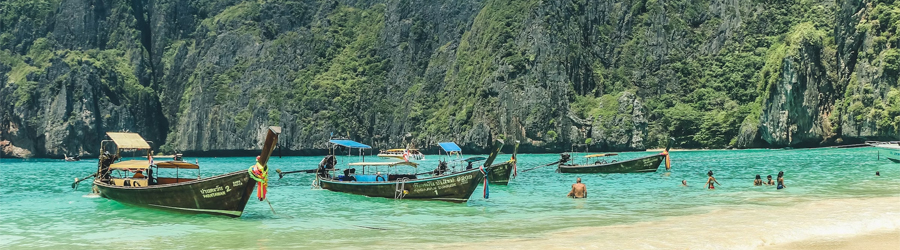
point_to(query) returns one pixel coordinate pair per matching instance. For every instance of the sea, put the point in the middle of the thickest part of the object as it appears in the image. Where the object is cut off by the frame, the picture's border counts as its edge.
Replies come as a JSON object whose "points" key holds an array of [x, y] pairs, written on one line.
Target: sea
{"points": [[830, 193]]}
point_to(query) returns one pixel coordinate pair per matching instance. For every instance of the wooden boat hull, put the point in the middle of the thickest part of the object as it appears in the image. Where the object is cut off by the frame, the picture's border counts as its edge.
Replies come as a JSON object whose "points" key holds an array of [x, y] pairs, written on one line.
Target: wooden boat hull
{"points": [[889, 151], [639, 165], [455, 187], [500, 173], [225, 194]]}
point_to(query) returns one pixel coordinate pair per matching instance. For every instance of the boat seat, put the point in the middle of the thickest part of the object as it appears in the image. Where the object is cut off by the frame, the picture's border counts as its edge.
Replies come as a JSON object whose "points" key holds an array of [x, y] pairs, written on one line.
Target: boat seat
{"points": [[346, 178], [365, 178], [131, 182]]}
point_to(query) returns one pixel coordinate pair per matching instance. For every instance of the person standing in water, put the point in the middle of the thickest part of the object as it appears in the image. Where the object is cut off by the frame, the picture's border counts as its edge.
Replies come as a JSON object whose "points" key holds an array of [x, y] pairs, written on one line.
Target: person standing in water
{"points": [[769, 180], [877, 173], [758, 181], [711, 180], [579, 190], [781, 180]]}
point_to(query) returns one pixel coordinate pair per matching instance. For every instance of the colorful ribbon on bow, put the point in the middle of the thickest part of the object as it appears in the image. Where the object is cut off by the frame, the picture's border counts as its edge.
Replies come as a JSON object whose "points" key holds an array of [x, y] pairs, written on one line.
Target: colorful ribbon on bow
{"points": [[259, 173], [486, 191]]}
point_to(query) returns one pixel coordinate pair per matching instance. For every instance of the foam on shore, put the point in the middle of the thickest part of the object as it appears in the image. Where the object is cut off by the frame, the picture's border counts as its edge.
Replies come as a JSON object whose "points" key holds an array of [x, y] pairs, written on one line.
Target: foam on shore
{"points": [[738, 227]]}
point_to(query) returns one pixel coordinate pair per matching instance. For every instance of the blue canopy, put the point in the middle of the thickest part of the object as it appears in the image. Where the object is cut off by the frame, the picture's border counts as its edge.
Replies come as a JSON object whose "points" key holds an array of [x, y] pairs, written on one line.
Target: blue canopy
{"points": [[349, 144], [450, 147]]}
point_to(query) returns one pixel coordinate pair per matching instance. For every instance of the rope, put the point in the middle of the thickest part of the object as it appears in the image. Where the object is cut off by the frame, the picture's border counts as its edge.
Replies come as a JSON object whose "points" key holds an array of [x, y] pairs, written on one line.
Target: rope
{"points": [[400, 189]]}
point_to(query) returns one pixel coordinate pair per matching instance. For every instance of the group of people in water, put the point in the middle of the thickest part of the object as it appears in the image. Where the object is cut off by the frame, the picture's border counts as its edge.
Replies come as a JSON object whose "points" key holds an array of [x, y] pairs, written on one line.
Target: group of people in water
{"points": [[711, 181], [579, 190], [759, 182]]}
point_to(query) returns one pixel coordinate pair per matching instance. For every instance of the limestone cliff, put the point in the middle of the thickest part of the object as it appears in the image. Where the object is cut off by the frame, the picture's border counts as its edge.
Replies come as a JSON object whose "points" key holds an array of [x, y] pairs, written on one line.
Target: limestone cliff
{"points": [[209, 76]]}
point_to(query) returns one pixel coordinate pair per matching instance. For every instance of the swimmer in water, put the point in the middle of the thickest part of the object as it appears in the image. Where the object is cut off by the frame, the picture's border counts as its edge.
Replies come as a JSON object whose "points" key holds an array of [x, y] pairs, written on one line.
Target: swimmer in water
{"points": [[877, 173], [683, 183], [711, 180], [769, 181], [781, 180], [579, 190], [758, 181]]}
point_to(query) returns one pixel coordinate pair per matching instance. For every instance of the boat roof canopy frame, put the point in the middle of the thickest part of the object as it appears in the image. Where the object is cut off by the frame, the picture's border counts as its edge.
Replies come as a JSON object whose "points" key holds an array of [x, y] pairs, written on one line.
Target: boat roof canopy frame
{"points": [[177, 164], [142, 164]]}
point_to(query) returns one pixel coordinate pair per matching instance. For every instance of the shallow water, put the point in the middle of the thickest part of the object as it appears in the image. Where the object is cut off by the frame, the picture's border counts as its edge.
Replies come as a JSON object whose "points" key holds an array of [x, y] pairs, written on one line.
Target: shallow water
{"points": [[39, 209]]}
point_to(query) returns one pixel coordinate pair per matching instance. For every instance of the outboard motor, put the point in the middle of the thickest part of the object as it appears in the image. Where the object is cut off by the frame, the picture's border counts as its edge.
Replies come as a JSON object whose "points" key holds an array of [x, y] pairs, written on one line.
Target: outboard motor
{"points": [[563, 158]]}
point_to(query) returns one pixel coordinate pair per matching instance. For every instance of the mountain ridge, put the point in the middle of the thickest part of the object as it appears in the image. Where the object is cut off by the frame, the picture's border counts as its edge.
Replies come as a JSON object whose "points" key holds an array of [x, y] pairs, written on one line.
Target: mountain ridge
{"points": [[211, 75]]}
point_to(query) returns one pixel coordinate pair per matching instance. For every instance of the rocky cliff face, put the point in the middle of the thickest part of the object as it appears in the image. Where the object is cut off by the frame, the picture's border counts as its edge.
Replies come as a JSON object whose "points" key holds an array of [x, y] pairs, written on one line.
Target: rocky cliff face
{"points": [[66, 86], [869, 59], [209, 76], [800, 100]]}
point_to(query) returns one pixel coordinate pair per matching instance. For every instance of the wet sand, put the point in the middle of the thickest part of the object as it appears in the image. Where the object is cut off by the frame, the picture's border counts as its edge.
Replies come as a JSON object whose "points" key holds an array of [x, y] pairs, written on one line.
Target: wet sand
{"points": [[874, 241], [864, 223]]}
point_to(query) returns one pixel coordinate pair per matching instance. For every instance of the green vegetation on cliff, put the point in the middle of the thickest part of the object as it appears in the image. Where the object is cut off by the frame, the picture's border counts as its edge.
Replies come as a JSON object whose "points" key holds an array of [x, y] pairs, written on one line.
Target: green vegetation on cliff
{"points": [[612, 75]]}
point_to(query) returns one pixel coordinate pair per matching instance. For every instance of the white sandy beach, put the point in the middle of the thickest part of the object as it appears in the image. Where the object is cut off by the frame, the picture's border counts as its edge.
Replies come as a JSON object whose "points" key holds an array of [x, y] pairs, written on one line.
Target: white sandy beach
{"points": [[874, 241], [865, 223]]}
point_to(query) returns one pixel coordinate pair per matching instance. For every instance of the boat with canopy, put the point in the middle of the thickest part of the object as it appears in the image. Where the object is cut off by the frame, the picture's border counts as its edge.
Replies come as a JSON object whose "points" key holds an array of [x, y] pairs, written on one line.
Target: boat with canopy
{"points": [[499, 173], [397, 180], [402, 154], [602, 163], [137, 182]]}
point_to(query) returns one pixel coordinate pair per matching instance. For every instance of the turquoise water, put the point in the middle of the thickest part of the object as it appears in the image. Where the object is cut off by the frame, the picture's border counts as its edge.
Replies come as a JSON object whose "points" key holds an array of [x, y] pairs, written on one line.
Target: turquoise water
{"points": [[39, 209]]}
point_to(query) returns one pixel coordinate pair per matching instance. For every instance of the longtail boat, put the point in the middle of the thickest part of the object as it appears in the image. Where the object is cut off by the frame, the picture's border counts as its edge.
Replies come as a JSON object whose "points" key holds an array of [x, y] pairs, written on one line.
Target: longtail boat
{"points": [[452, 154], [501, 173], [497, 174], [454, 187], [889, 150], [442, 184], [644, 164], [71, 158], [225, 194]]}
